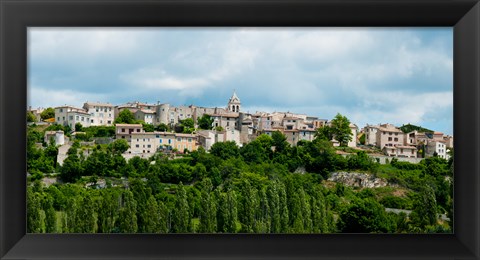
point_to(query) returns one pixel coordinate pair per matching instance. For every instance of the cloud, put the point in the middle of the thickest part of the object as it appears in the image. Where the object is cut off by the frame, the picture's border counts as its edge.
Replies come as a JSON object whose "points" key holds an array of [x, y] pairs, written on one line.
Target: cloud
{"points": [[44, 97], [387, 74]]}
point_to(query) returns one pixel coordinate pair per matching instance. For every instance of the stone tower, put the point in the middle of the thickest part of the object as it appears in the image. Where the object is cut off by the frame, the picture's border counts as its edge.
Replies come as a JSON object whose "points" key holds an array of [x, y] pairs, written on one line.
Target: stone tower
{"points": [[234, 103]]}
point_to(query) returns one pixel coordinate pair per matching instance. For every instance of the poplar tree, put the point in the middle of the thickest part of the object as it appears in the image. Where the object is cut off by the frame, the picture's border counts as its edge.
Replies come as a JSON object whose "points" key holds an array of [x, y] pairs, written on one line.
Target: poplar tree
{"points": [[208, 210], [274, 206], [34, 221], [152, 216], [50, 215], [163, 214], [231, 217], [109, 207], [283, 208], [181, 214], [128, 218], [85, 221], [249, 208], [262, 219]]}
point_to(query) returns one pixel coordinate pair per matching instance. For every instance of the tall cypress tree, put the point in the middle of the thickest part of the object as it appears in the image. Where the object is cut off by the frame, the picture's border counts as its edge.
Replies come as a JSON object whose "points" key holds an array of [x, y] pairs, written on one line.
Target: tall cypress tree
{"points": [[85, 220], [283, 208], [151, 216], [34, 221], [231, 219], [249, 202], [274, 205], [208, 212], [128, 218], [50, 215], [181, 214], [163, 214]]}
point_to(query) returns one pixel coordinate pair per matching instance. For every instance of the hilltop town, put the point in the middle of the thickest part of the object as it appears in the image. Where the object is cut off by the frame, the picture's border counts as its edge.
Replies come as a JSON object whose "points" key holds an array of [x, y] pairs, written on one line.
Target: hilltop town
{"points": [[145, 168], [232, 124]]}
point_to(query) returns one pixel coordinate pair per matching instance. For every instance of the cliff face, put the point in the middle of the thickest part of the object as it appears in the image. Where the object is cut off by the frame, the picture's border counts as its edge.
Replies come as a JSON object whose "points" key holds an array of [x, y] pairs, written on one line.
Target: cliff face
{"points": [[361, 180]]}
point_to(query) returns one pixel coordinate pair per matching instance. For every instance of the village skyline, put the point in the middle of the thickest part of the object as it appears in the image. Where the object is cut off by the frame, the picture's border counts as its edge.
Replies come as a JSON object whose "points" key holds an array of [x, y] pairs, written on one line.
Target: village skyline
{"points": [[372, 76]]}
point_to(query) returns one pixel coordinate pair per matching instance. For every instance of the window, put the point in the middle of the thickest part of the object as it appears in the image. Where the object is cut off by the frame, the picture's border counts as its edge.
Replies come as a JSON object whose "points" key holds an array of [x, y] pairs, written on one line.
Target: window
{"points": [[389, 139], [395, 139], [76, 117], [138, 130], [70, 118], [109, 122], [179, 139], [189, 140], [161, 140], [169, 141], [401, 150], [149, 146], [58, 118], [123, 137], [389, 133], [137, 145], [91, 121], [63, 118], [123, 130]]}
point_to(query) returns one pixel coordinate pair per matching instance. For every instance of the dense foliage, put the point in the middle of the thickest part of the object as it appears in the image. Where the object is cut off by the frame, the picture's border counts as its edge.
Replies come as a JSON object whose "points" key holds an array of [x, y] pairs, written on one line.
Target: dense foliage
{"points": [[265, 186]]}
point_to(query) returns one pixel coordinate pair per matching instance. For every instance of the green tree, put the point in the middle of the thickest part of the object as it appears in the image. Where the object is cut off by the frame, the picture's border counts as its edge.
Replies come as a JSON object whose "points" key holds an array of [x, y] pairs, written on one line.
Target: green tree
{"points": [[128, 214], [187, 125], [341, 129], [78, 127], [279, 140], [163, 220], [208, 221], [424, 208], [50, 214], [119, 146], [205, 122], [162, 128], [225, 150], [181, 214], [34, 219], [152, 216], [108, 210], [274, 206], [324, 133], [232, 211], [254, 152], [283, 205], [71, 169], [85, 221], [125, 117], [365, 216], [148, 127], [249, 207], [31, 117], [47, 113]]}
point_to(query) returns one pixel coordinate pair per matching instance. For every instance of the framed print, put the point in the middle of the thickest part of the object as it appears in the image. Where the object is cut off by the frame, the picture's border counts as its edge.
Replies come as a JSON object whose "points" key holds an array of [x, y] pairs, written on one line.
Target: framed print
{"points": [[97, 174]]}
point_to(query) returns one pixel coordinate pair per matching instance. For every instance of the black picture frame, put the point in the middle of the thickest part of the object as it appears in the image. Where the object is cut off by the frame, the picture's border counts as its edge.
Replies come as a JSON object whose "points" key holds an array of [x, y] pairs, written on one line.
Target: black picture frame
{"points": [[17, 15]]}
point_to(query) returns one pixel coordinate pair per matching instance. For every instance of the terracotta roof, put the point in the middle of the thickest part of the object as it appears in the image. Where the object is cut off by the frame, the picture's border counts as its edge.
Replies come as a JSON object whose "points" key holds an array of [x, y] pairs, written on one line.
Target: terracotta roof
{"points": [[406, 147], [132, 125], [98, 104], [185, 135]]}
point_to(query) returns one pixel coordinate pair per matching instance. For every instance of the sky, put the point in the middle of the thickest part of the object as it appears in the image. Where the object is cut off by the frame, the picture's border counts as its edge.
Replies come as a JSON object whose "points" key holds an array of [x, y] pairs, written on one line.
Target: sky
{"points": [[370, 75]]}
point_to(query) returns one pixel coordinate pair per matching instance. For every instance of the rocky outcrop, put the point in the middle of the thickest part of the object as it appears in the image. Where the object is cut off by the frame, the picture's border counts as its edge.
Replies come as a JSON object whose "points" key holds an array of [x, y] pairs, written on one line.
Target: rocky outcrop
{"points": [[361, 180]]}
